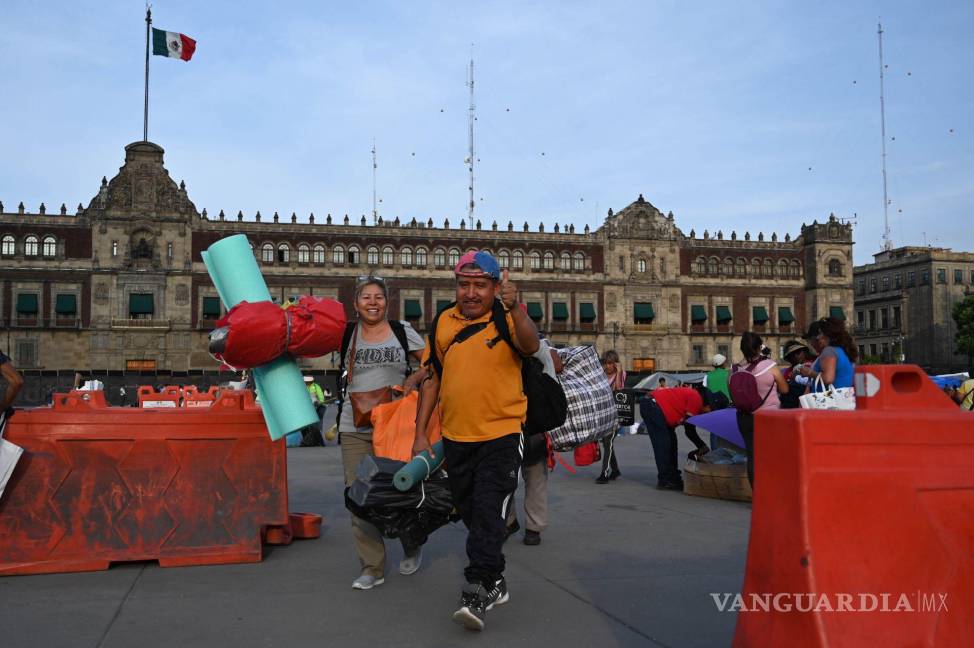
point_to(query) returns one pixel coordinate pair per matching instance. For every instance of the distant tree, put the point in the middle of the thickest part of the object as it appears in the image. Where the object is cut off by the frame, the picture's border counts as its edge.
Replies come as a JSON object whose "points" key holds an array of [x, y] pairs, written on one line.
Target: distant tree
{"points": [[964, 318]]}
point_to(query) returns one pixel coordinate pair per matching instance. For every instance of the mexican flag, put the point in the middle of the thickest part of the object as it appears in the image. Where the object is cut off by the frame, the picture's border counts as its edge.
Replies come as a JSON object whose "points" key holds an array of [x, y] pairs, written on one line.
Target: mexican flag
{"points": [[172, 44]]}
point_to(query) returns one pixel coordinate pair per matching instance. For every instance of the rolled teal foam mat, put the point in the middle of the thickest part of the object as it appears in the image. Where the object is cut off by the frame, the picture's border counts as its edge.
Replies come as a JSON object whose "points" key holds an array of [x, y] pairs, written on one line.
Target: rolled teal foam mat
{"points": [[419, 468], [280, 387]]}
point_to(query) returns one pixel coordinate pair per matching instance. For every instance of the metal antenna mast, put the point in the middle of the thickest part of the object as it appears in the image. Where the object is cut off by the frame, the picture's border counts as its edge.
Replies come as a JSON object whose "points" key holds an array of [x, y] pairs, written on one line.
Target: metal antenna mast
{"points": [[470, 159], [375, 207], [887, 244]]}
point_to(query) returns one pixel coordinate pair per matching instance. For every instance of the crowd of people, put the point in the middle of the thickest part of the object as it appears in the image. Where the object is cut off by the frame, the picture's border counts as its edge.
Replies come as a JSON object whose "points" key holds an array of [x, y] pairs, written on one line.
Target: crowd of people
{"points": [[471, 375]]}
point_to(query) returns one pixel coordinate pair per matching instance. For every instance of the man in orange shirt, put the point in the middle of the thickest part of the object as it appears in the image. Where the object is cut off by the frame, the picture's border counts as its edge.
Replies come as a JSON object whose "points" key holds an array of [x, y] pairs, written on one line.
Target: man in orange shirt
{"points": [[482, 408]]}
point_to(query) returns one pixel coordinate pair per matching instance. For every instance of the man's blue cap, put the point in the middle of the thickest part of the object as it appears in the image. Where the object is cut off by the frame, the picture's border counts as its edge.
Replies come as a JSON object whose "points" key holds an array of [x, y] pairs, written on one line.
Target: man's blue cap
{"points": [[486, 264]]}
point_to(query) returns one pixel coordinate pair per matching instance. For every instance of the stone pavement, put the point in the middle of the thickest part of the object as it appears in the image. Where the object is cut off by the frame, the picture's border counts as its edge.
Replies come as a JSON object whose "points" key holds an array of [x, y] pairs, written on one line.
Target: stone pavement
{"points": [[621, 564]]}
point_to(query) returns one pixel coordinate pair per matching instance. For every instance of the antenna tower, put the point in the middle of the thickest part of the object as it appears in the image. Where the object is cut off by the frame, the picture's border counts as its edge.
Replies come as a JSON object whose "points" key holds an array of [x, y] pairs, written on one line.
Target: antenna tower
{"points": [[375, 206], [470, 159], [887, 243]]}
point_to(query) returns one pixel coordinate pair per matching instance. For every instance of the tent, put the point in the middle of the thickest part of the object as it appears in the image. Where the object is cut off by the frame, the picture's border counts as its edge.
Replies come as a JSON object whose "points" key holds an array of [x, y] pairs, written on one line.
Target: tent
{"points": [[672, 379]]}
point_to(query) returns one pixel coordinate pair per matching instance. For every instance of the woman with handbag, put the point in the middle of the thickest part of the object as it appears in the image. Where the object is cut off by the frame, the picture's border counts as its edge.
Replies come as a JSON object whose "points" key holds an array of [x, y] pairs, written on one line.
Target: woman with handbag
{"points": [[769, 381], [837, 353], [377, 361]]}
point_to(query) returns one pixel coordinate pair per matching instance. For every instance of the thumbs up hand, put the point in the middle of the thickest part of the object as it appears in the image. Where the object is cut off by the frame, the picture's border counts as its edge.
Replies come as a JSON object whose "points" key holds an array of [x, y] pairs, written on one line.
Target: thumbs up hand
{"points": [[508, 291]]}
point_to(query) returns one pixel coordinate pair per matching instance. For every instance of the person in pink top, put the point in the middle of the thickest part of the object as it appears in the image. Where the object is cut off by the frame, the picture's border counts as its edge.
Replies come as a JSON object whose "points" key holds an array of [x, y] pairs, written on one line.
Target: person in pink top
{"points": [[769, 382], [617, 378]]}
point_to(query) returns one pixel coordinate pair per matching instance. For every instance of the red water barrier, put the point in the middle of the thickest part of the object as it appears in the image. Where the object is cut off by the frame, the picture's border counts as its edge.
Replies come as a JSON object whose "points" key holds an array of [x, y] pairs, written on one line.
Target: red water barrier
{"points": [[101, 484], [862, 530]]}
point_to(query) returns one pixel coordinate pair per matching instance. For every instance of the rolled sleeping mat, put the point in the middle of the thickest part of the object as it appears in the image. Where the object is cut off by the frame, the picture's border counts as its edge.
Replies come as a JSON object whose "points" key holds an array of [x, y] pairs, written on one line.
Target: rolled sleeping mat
{"points": [[280, 386], [419, 468]]}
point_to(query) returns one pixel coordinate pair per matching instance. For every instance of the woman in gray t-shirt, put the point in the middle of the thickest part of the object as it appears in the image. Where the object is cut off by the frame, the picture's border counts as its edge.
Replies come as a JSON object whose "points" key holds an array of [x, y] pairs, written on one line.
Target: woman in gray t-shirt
{"points": [[379, 361]]}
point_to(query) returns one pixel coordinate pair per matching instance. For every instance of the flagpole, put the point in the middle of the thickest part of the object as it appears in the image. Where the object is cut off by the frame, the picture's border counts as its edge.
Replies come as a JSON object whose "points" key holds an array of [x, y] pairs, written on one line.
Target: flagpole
{"points": [[145, 117]]}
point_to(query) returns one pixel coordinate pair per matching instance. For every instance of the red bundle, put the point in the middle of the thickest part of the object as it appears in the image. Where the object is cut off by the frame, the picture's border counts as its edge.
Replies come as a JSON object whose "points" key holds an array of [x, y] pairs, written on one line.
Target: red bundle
{"points": [[253, 334]]}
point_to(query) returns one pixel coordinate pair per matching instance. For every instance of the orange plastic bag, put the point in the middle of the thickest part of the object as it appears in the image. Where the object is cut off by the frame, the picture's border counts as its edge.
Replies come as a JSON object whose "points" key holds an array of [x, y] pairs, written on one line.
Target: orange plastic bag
{"points": [[394, 427]]}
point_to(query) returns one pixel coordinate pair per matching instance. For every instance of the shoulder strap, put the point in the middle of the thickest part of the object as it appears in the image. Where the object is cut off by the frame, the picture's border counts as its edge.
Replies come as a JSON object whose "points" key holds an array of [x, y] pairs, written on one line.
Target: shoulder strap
{"points": [[399, 330], [766, 369], [434, 358], [499, 317], [346, 340]]}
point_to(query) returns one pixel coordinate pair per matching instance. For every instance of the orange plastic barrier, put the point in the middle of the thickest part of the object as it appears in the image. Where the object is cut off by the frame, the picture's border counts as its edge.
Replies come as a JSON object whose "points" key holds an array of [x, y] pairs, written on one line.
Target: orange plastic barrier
{"points": [[99, 484], [192, 397], [862, 530], [149, 398]]}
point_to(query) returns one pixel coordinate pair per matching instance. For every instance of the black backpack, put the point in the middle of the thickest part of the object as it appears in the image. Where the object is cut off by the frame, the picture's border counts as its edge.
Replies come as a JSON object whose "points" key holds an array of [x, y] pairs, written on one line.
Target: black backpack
{"points": [[398, 329], [547, 405]]}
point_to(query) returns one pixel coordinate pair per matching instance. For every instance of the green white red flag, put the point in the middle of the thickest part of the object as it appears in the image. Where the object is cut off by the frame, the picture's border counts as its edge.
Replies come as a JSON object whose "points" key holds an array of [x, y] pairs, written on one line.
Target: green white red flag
{"points": [[172, 44]]}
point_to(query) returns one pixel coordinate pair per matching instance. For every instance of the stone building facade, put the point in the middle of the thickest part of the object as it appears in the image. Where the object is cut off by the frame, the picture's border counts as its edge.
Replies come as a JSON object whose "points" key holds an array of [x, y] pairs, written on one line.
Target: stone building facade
{"points": [[119, 285], [903, 306]]}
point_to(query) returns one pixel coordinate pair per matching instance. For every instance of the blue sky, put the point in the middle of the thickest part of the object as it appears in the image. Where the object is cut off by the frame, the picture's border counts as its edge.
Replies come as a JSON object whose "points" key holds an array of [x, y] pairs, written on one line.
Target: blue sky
{"points": [[736, 116]]}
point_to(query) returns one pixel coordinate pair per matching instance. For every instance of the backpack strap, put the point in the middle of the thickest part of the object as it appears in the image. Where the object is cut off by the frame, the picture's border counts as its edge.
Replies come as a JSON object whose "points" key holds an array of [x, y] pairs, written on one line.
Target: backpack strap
{"points": [[498, 317], [399, 330]]}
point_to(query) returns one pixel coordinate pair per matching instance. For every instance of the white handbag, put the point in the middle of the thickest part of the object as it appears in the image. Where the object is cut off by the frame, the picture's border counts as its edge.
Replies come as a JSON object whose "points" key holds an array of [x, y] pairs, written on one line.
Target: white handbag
{"points": [[9, 455], [827, 397]]}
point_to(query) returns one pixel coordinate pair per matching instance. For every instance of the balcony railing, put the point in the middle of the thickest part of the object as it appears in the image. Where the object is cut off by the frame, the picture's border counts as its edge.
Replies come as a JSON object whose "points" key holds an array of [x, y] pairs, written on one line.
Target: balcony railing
{"points": [[142, 324]]}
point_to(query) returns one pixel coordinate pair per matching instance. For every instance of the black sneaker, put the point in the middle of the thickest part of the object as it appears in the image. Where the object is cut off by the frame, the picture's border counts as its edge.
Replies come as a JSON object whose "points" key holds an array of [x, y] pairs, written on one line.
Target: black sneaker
{"points": [[497, 595], [532, 538], [473, 607], [602, 479]]}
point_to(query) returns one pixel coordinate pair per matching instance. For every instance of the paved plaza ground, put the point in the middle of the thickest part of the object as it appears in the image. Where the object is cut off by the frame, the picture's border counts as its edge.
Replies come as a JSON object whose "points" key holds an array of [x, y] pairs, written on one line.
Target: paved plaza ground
{"points": [[621, 564]]}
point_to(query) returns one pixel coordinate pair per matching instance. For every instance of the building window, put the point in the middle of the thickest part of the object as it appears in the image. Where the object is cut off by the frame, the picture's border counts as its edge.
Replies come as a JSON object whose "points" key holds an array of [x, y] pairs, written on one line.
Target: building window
{"points": [[861, 318], [267, 253], [304, 253], [796, 269], [873, 285], [713, 266], [49, 248], [697, 354], [283, 253], [421, 257], [911, 279], [925, 278], [504, 259], [535, 261], [862, 351], [767, 268], [372, 255], [338, 255], [25, 353], [897, 281], [549, 261], [586, 312], [8, 246], [941, 275], [211, 308], [454, 257], [885, 352], [169, 251], [641, 265], [698, 313], [439, 257], [406, 257], [872, 350], [958, 276], [30, 246], [740, 268], [884, 318], [141, 306], [897, 315], [517, 260], [622, 263], [412, 310], [835, 268], [387, 256], [65, 306], [861, 287], [885, 283], [27, 307], [535, 312], [578, 261], [559, 311], [354, 255], [318, 254], [642, 313], [872, 320]]}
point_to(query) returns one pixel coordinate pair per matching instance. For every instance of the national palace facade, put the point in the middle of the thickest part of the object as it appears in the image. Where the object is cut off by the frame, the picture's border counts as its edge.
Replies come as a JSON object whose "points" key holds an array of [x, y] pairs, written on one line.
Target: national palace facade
{"points": [[119, 285]]}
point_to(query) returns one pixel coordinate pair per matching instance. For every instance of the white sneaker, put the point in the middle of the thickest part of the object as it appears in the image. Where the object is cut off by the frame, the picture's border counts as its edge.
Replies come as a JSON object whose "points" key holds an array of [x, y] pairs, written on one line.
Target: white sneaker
{"points": [[367, 582], [410, 563]]}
